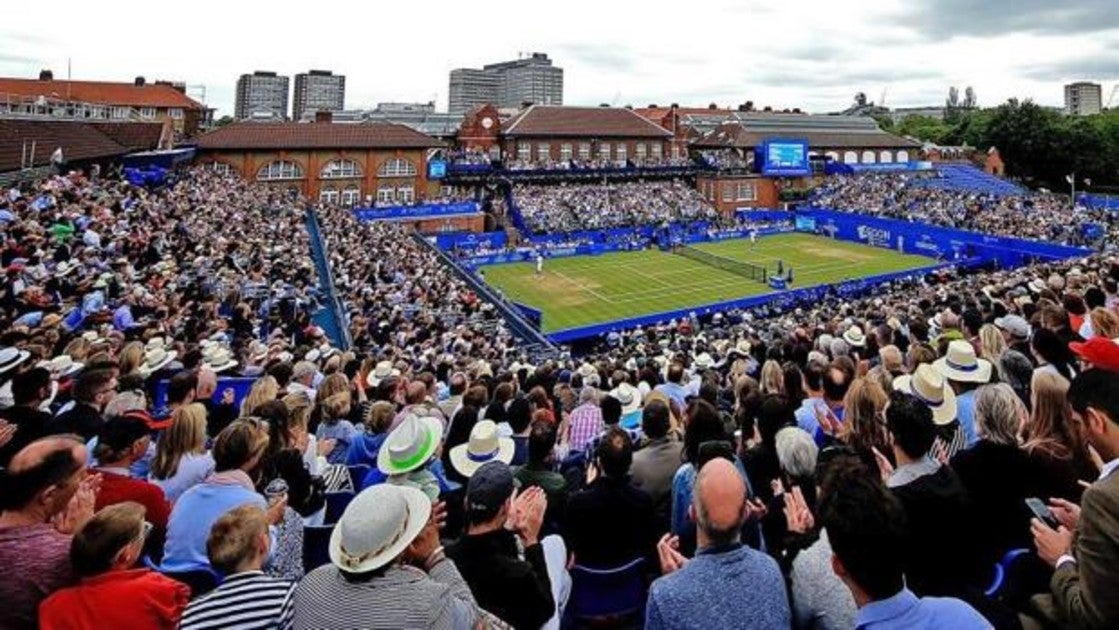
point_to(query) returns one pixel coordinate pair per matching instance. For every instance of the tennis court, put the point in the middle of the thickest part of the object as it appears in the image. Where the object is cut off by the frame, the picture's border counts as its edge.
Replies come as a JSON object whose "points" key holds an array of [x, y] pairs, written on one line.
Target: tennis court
{"points": [[585, 290]]}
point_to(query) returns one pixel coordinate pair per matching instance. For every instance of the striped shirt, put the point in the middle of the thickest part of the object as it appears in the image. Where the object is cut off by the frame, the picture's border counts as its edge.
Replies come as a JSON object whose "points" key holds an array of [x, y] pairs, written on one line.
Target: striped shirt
{"points": [[586, 423], [245, 601]]}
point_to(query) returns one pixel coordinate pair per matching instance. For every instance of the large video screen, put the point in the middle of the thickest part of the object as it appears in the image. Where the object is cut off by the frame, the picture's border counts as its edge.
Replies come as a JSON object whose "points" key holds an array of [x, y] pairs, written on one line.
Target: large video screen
{"points": [[784, 158], [436, 169]]}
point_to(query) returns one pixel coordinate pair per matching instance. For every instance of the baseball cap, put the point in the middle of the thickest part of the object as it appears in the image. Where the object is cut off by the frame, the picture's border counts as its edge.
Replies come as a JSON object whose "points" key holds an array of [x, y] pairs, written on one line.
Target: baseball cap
{"points": [[1099, 351], [1015, 325], [121, 432], [490, 486]]}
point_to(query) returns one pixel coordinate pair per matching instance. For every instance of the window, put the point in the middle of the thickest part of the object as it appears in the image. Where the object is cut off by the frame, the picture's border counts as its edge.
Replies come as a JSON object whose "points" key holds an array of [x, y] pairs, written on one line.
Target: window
{"points": [[397, 167], [543, 151], [147, 112], [745, 191], [641, 151], [120, 112], [280, 169], [832, 156], [351, 196], [338, 169], [220, 167], [728, 191], [868, 157], [328, 195], [604, 150], [584, 151], [495, 152], [903, 156], [405, 195], [656, 151], [621, 153], [565, 151], [175, 112], [885, 157], [850, 157], [524, 152], [385, 195]]}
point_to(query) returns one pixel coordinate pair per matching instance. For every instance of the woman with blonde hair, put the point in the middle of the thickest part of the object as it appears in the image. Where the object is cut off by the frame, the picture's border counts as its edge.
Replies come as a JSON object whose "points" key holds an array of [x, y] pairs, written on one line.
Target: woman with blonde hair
{"points": [[864, 423], [992, 345], [78, 349], [131, 357], [181, 460], [264, 390], [1054, 440], [1104, 323], [772, 378]]}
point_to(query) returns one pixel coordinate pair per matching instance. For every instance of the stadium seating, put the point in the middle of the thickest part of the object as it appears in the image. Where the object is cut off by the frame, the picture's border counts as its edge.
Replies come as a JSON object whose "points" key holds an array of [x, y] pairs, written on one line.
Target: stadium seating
{"points": [[607, 594], [965, 177]]}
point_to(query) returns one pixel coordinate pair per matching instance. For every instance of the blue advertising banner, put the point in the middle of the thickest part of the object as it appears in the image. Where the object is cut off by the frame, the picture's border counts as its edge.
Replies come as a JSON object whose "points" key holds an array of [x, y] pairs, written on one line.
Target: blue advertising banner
{"points": [[470, 240], [423, 211]]}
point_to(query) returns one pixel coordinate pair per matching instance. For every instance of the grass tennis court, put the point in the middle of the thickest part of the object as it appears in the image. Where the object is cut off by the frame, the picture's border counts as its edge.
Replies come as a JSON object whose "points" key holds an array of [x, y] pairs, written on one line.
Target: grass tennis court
{"points": [[585, 290]]}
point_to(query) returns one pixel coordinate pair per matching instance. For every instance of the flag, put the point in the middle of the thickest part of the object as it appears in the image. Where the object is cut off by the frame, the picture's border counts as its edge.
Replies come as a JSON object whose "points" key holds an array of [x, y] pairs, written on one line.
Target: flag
{"points": [[1068, 178], [56, 157]]}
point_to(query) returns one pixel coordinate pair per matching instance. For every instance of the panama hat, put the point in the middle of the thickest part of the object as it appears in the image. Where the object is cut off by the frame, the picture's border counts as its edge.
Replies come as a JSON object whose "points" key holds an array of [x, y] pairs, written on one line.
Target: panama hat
{"points": [[410, 445], [960, 364], [155, 360], [220, 360], [629, 396], [483, 446], [377, 526], [587, 371], [11, 357], [854, 336], [703, 361], [930, 387], [50, 320], [383, 370], [155, 342], [62, 366]]}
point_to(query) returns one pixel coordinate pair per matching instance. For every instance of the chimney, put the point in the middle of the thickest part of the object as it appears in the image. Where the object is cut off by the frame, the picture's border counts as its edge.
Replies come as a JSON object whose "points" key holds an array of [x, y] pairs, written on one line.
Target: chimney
{"points": [[139, 82], [324, 116], [46, 75]]}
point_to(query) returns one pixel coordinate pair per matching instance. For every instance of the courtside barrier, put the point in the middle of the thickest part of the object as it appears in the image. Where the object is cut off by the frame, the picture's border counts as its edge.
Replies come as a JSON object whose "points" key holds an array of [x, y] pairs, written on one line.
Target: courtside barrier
{"points": [[422, 211]]}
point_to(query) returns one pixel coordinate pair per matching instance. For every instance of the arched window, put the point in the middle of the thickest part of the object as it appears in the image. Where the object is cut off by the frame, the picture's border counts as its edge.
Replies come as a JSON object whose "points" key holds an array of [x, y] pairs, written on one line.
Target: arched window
{"points": [[885, 157], [832, 156], [220, 167], [397, 167], [280, 169], [850, 157], [903, 156], [868, 157], [351, 196], [339, 169]]}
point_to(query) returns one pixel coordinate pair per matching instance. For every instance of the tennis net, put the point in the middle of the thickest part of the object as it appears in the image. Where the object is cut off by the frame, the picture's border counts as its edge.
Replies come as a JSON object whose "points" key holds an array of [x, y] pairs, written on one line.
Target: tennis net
{"points": [[744, 269]]}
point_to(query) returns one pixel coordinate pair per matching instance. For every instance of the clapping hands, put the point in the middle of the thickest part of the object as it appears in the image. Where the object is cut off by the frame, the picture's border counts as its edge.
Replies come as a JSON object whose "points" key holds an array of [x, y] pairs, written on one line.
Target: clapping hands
{"points": [[798, 517], [526, 516]]}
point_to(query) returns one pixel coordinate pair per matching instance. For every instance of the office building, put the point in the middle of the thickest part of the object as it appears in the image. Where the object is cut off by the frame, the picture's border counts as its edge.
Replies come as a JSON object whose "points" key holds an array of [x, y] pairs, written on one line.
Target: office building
{"points": [[1083, 98], [261, 95], [531, 79], [318, 91]]}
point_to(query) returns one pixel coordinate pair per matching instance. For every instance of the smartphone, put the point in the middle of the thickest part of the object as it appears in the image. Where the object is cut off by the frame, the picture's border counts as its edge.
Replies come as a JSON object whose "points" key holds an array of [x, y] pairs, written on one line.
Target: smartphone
{"points": [[1042, 511]]}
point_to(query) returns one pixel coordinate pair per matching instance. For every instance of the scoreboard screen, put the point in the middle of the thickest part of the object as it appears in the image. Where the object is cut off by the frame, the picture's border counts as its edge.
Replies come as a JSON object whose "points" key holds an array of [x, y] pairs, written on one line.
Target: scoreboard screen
{"points": [[784, 158], [436, 169]]}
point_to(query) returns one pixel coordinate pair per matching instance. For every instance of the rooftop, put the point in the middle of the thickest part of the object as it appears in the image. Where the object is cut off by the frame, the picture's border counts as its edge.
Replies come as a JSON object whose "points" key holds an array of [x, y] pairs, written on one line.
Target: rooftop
{"points": [[100, 92], [586, 122], [290, 135]]}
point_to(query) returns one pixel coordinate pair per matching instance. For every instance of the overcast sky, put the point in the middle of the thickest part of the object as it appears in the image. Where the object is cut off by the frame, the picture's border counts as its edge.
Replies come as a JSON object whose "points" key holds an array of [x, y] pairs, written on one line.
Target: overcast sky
{"points": [[810, 54]]}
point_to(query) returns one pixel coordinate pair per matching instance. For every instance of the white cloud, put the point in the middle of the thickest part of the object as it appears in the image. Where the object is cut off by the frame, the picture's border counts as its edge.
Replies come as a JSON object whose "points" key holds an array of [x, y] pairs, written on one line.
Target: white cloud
{"points": [[809, 54]]}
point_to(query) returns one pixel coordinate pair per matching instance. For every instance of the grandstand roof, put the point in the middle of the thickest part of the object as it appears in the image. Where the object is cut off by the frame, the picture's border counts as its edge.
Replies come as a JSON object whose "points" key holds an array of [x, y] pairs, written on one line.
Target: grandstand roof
{"points": [[579, 122], [259, 135], [100, 92], [750, 130], [78, 140]]}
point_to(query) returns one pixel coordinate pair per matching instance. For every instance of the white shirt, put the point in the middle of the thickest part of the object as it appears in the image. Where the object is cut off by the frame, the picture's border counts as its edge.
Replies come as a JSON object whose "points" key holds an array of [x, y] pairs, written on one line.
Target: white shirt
{"points": [[1109, 468]]}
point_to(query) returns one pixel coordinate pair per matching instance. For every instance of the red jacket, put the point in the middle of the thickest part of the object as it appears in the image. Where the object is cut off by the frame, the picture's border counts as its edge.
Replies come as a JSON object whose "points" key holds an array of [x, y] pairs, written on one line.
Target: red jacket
{"points": [[119, 488], [121, 600]]}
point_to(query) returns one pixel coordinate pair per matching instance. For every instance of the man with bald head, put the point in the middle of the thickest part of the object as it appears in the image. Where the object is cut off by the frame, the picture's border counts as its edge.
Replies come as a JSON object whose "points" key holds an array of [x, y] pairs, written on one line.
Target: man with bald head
{"points": [[727, 585], [46, 482]]}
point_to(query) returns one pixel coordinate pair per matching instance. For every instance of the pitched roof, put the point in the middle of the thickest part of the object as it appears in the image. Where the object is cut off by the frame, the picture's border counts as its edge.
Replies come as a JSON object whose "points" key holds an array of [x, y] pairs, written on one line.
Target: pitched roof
{"points": [[79, 141], [134, 136], [572, 122], [279, 136], [100, 92], [819, 131]]}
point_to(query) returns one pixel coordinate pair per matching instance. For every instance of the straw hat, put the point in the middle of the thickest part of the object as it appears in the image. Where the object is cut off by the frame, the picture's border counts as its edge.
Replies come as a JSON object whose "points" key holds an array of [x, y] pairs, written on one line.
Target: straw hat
{"points": [[854, 336], [377, 526], [220, 360], [383, 370], [484, 446], [410, 445], [11, 357], [703, 361], [62, 366], [629, 396], [155, 360], [930, 387], [961, 364]]}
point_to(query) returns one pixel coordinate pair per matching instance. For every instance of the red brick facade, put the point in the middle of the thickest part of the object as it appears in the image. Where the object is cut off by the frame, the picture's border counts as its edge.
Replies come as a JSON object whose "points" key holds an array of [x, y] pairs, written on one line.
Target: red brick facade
{"points": [[731, 192]]}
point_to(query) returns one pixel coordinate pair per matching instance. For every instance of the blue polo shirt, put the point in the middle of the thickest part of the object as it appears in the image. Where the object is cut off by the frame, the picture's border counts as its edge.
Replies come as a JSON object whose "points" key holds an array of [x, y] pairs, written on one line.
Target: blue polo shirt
{"points": [[906, 610]]}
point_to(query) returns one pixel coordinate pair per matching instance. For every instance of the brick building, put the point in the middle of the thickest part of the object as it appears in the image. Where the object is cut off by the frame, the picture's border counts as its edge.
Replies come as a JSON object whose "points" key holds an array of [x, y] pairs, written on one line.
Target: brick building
{"points": [[374, 163], [560, 134], [138, 101]]}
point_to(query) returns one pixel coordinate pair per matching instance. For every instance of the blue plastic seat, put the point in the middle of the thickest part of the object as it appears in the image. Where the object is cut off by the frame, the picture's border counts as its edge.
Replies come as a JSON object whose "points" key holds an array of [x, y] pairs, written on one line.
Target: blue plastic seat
{"points": [[601, 594], [357, 475], [336, 503], [316, 545]]}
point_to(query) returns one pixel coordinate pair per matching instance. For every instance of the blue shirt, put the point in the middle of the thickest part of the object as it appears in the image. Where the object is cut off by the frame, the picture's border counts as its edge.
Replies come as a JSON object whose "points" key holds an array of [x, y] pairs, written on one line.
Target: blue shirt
{"points": [[683, 483], [193, 515], [806, 414], [676, 392], [905, 610], [686, 599], [965, 413]]}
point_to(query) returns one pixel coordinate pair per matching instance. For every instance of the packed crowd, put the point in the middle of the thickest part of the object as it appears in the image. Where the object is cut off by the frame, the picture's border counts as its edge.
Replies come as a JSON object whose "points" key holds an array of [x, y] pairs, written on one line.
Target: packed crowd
{"points": [[860, 461], [1041, 216], [569, 207]]}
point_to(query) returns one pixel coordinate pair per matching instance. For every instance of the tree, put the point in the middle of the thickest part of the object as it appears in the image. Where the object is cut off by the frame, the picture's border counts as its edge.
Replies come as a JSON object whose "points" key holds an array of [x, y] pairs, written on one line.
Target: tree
{"points": [[223, 121]]}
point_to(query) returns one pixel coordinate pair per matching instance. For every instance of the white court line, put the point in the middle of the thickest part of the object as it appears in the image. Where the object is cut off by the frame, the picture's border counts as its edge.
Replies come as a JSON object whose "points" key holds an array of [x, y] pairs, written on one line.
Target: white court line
{"points": [[582, 287]]}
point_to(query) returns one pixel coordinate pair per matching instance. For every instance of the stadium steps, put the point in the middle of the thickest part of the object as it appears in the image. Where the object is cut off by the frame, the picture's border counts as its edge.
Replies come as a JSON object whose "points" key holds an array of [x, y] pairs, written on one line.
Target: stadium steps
{"points": [[966, 177], [520, 326], [331, 316]]}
